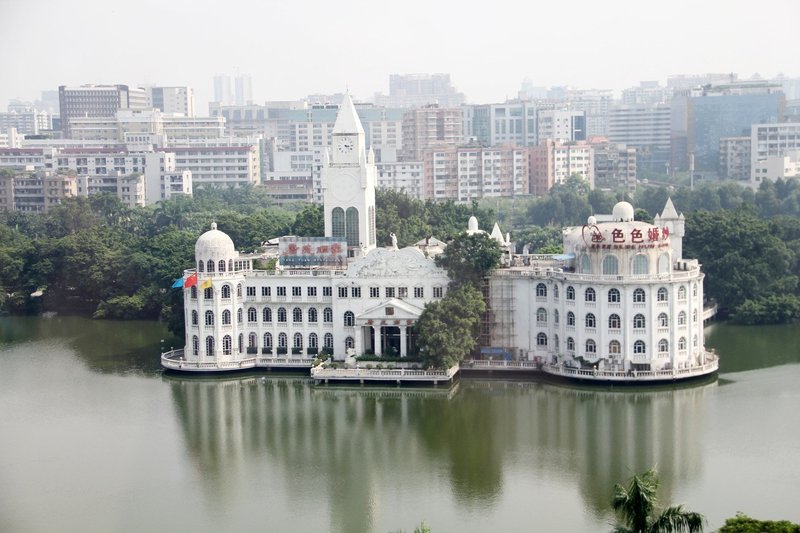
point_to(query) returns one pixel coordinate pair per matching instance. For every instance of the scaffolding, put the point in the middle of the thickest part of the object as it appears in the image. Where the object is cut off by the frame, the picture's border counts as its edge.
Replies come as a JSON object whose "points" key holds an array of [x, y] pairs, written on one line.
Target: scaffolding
{"points": [[498, 322]]}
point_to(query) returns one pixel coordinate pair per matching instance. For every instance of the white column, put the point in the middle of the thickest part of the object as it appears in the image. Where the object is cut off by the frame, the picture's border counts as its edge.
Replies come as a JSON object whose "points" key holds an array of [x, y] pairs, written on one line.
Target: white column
{"points": [[359, 341], [377, 348], [403, 341]]}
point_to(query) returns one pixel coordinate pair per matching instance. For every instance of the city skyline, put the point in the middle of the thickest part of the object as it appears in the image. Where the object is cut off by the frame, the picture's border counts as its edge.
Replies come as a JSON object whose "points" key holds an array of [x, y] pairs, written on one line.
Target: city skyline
{"points": [[323, 47]]}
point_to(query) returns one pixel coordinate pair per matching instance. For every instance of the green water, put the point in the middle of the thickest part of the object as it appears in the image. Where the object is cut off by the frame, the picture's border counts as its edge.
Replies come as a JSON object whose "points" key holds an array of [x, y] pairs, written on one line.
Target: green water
{"points": [[94, 438]]}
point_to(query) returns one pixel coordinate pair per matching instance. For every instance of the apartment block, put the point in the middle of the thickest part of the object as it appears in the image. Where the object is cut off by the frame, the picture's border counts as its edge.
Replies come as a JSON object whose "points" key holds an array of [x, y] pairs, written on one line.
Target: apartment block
{"points": [[172, 100], [430, 127], [561, 124], [734, 158], [646, 128], [553, 162], [35, 191], [614, 164], [465, 173], [96, 101], [772, 140]]}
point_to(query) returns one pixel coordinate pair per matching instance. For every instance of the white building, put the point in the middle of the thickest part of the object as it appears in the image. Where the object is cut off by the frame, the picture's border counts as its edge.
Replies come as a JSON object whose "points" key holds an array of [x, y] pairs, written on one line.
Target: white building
{"points": [[172, 100], [772, 141], [561, 124], [775, 167]]}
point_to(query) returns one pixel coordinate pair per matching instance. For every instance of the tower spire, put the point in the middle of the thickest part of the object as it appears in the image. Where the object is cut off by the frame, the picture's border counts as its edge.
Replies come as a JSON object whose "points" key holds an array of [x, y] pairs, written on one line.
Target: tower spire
{"points": [[347, 120]]}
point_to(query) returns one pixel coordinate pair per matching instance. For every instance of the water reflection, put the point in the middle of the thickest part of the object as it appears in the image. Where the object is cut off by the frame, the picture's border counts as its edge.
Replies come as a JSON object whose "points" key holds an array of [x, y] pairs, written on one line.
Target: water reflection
{"points": [[342, 447], [752, 347]]}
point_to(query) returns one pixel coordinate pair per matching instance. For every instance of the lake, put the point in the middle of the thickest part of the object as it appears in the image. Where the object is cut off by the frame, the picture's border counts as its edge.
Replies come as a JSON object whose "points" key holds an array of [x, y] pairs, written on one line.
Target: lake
{"points": [[93, 437]]}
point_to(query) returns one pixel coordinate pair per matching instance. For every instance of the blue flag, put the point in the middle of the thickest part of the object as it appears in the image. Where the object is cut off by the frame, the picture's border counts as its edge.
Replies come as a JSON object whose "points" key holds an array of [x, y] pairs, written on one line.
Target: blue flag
{"points": [[178, 283]]}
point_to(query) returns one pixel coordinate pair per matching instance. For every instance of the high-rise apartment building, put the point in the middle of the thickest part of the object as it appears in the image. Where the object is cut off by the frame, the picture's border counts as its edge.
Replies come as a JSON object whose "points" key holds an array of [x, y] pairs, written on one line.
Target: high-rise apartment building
{"points": [[772, 141], [35, 191], [243, 89], [92, 101], [645, 127], [430, 127], [492, 124], [553, 162], [647, 93], [173, 100], [223, 93], [614, 164], [734, 158], [417, 90], [561, 124]]}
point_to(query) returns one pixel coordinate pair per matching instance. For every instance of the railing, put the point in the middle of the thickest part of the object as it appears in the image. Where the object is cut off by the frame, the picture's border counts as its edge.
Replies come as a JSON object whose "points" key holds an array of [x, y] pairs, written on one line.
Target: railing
{"points": [[323, 372], [635, 375], [500, 364], [571, 276], [709, 312]]}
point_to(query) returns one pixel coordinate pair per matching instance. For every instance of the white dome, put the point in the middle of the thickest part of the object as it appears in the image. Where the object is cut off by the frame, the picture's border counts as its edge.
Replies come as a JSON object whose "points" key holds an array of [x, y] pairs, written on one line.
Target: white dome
{"points": [[472, 225], [214, 244], [623, 212], [592, 220]]}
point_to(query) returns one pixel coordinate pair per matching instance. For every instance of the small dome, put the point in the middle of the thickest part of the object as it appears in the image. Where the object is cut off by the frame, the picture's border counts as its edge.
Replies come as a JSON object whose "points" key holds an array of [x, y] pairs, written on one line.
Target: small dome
{"points": [[214, 244], [592, 220], [623, 212], [472, 225]]}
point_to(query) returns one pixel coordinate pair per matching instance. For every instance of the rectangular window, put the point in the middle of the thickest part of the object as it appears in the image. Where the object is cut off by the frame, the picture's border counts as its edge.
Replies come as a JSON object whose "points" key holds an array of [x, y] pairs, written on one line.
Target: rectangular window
{"points": [[297, 291], [402, 292], [251, 291], [312, 291], [342, 292], [265, 291], [390, 292], [437, 292], [281, 291], [419, 292], [327, 291], [355, 292], [374, 292]]}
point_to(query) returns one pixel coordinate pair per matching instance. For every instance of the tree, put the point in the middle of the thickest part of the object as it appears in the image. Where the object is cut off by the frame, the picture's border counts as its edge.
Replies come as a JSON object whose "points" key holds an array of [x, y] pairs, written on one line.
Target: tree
{"points": [[309, 222], [636, 506], [744, 524], [469, 258], [448, 329]]}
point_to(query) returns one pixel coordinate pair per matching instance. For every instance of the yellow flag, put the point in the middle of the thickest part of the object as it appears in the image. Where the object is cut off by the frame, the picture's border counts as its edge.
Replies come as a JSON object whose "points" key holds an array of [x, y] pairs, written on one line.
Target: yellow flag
{"points": [[206, 284]]}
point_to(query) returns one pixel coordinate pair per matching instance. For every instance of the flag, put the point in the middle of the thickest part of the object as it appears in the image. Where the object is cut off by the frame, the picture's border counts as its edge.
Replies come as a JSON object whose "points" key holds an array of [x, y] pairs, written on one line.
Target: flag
{"points": [[178, 283], [206, 284], [191, 281]]}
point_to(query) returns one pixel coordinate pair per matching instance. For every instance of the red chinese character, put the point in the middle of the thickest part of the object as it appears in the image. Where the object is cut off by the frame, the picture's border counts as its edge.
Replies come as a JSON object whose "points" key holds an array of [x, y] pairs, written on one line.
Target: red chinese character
{"points": [[322, 249], [618, 235], [636, 235], [291, 249], [664, 233], [652, 234], [306, 249], [336, 249]]}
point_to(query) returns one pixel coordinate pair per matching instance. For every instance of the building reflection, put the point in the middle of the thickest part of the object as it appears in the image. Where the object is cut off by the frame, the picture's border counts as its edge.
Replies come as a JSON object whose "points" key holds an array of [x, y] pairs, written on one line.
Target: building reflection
{"points": [[343, 450]]}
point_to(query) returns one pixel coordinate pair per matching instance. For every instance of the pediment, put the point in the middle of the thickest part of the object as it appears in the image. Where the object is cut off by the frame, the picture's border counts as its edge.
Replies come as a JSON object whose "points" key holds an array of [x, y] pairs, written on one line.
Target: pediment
{"points": [[390, 310], [389, 263]]}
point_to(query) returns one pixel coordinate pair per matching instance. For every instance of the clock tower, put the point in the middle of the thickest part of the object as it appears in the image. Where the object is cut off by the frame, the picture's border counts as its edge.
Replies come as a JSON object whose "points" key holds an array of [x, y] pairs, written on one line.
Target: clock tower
{"points": [[349, 178]]}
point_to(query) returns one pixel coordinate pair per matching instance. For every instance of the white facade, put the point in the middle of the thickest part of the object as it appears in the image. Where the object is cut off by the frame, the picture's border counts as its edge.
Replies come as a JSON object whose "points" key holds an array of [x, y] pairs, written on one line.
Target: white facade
{"points": [[772, 140], [775, 167], [621, 299], [402, 176], [220, 166], [172, 100], [573, 158], [561, 124]]}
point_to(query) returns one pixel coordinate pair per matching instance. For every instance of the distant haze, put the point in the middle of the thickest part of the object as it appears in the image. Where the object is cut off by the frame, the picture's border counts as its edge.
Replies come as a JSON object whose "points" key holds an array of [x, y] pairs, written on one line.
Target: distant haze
{"points": [[301, 47]]}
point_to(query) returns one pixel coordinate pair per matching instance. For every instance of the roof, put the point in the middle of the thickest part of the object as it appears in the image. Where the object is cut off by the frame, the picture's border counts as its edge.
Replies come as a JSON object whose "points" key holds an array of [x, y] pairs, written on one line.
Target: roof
{"points": [[669, 211], [347, 120]]}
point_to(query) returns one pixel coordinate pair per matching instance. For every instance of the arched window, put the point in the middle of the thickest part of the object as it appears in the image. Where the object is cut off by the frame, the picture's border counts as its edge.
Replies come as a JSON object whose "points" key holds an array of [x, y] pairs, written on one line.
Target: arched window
{"points": [[541, 290], [230, 265], [663, 320], [297, 315], [614, 322], [195, 345], [352, 227], [663, 346], [227, 345], [201, 266], [327, 315], [210, 346], [328, 340], [349, 342], [610, 265], [663, 263], [640, 265], [194, 318], [194, 292], [239, 290], [266, 315], [555, 342], [239, 315], [252, 315], [221, 265], [312, 315], [208, 294], [541, 339], [555, 292], [210, 265], [682, 318], [570, 318], [614, 347], [591, 321], [570, 344], [282, 340], [586, 264], [638, 296], [681, 292], [226, 291], [267, 340], [312, 340], [349, 319], [281, 314], [555, 316], [590, 295], [541, 315], [570, 293], [682, 343], [639, 347], [639, 322], [209, 318], [591, 347], [337, 222], [252, 340], [298, 340], [662, 295], [226, 317], [613, 296]]}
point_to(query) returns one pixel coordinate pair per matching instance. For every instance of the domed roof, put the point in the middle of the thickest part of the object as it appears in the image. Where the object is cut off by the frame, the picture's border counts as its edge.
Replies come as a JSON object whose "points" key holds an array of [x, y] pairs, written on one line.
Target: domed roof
{"points": [[472, 225], [623, 212], [214, 244]]}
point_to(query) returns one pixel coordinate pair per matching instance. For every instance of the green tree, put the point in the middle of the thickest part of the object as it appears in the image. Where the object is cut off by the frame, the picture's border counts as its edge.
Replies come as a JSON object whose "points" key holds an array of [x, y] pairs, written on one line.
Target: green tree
{"points": [[636, 506], [309, 222], [469, 258], [448, 329], [744, 524]]}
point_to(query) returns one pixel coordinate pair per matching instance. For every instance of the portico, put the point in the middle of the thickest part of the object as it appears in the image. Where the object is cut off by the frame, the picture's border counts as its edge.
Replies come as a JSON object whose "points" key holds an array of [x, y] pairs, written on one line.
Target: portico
{"points": [[388, 328]]}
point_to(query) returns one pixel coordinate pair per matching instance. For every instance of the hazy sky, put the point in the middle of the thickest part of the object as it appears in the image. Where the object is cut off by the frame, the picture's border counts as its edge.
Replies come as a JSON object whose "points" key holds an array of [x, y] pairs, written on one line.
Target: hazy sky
{"points": [[298, 47]]}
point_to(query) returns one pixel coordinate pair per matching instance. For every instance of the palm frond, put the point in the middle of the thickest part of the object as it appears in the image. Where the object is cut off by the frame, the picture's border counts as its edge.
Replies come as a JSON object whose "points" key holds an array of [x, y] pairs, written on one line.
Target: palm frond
{"points": [[676, 520]]}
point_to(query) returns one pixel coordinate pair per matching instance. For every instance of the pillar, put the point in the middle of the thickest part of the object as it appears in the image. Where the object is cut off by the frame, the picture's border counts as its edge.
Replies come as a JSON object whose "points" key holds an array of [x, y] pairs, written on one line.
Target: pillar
{"points": [[377, 335], [403, 341]]}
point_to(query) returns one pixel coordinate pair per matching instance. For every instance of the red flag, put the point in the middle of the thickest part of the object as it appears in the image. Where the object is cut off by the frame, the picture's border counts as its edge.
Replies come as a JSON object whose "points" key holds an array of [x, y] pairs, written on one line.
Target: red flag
{"points": [[191, 281]]}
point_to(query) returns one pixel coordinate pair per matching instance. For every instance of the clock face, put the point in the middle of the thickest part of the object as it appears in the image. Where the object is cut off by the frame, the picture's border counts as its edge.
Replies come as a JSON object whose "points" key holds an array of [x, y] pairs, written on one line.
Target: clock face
{"points": [[345, 145], [344, 185]]}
